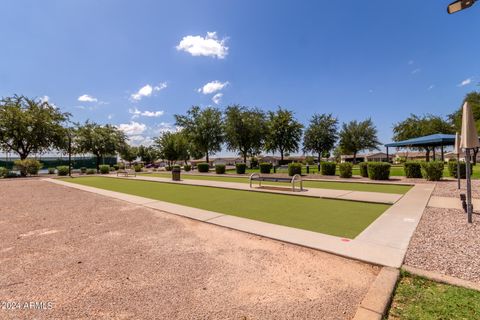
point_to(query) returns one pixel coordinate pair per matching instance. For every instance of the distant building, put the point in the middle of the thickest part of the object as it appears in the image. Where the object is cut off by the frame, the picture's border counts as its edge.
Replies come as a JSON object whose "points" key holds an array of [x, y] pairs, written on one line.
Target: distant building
{"points": [[372, 157]]}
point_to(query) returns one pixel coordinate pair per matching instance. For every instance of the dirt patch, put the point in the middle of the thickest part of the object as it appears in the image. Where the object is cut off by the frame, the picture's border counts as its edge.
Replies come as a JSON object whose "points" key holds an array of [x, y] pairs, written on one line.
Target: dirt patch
{"points": [[113, 260]]}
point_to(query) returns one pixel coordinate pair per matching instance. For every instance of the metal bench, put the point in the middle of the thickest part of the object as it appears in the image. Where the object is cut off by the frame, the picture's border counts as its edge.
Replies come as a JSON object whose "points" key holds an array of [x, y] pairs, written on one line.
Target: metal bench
{"points": [[126, 172], [292, 180]]}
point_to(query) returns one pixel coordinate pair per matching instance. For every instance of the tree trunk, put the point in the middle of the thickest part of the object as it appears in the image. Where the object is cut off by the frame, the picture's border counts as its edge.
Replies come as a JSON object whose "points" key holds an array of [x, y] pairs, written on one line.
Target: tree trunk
{"points": [[206, 157], [319, 160], [355, 157], [245, 157], [427, 154], [281, 155], [23, 156], [98, 163], [474, 160]]}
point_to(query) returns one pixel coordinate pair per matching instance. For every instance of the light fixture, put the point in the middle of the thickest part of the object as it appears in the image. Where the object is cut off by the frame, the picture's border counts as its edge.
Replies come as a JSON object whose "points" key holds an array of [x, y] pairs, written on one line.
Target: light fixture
{"points": [[460, 5]]}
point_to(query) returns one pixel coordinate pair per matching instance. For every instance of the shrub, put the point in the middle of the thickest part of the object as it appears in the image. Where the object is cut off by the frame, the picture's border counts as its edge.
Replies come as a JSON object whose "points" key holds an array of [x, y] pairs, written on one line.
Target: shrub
{"points": [[240, 168], [121, 165], [62, 170], [11, 174], [253, 163], [116, 167], [168, 168], [51, 170], [220, 169], [203, 167], [328, 168], [28, 166], [379, 170], [138, 168], [3, 172], [265, 167], [83, 169], [90, 171], [452, 169], [187, 167], [345, 170], [413, 169], [363, 166], [104, 168], [433, 170], [294, 168]]}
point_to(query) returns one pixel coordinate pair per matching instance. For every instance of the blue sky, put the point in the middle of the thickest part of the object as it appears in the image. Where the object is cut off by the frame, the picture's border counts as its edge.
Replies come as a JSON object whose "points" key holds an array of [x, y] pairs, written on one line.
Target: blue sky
{"points": [[137, 63]]}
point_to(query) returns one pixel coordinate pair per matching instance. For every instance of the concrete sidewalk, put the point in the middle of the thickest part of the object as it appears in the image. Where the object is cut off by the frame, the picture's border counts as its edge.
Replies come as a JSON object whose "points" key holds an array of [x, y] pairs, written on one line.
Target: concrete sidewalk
{"points": [[375, 197], [384, 242]]}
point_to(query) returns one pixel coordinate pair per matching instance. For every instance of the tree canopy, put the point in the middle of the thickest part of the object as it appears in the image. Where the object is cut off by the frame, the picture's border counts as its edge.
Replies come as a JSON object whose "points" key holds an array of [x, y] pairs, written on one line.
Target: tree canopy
{"points": [[203, 128], [473, 99], [128, 153], [418, 126], [99, 140], [356, 136], [284, 132], [173, 146], [321, 134], [244, 130], [148, 154], [30, 126]]}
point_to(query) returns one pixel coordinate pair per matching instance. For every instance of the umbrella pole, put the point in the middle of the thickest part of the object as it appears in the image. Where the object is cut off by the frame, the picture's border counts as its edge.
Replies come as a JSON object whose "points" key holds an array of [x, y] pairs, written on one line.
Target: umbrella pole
{"points": [[458, 170], [469, 186]]}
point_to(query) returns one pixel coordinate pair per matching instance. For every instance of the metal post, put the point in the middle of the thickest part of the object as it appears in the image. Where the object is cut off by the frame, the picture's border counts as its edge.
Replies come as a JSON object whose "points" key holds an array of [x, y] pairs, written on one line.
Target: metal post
{"points": [[69, 154], [388, 158], [458, 170], [441, 148], [469, 186]]}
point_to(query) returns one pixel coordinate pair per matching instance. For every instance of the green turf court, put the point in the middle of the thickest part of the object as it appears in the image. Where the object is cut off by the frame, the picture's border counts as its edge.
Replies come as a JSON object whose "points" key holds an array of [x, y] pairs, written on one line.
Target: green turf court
{"points": [[334, 217], [351, 186]]}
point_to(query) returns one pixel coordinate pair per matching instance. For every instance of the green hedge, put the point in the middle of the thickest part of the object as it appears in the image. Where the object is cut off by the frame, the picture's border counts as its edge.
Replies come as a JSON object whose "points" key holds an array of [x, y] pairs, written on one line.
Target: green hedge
{"points": [[413, 169], [203, 167], [62, 170], [363, 169], [27, 166], [345, 170], [265, 167], [3, 172], [452, 169], [90, 171], [220, 169], [240, 168], [77, 162], [104, 168], [433, 170], [294, 168], [328, 168], [138, 168], [379, 170], [51, 170], [187, 167]]}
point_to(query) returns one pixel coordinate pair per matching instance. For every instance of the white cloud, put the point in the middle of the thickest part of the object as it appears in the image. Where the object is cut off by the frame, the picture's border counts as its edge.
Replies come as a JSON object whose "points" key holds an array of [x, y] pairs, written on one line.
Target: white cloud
{"points": [[416, 71], [132, 128], [431, 87], [44, 99], [110, 116], [147, 90], [87, 98], [465, 82], [138, 140], [137, 113], [217, 98], [165, 127], [212, 87], [209, 46], [410, 62]]}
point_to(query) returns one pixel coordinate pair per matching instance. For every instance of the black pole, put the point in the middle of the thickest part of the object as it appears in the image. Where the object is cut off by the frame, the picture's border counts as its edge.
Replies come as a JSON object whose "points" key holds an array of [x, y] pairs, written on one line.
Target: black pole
{"points": [[469, 186], [388, 158], [441, 148]]}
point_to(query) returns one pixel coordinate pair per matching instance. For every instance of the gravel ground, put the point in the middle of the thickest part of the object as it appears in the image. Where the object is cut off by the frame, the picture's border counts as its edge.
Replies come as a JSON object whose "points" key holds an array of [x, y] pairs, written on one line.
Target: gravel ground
{"points": [[444, 242], [449, 189], [95, 257]]}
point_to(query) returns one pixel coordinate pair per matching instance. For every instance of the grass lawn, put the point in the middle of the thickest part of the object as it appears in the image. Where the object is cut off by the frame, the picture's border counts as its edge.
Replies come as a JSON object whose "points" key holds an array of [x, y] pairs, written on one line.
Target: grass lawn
{"points": [[419, 298], [353, 186], [335, 217]]}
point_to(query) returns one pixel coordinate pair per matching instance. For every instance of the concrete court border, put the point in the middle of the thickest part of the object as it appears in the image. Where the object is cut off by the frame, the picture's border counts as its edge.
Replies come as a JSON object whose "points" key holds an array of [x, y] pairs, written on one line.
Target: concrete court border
{"points": [[385, 248]]}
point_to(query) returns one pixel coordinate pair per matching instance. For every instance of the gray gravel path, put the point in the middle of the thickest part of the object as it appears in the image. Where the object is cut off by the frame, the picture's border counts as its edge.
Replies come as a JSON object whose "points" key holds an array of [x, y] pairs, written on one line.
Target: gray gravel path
{"points": [[100, 258]]}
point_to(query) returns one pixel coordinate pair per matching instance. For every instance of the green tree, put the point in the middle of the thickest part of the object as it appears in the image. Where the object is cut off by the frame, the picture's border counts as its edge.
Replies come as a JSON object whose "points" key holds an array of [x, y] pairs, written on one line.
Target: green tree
{"points": [[357, 136], [284, 132], [30, 126], [244, 130], [321, 135], [203, 129], [148, 154], [418, 126], [128, 153], [173, 146], [98, 140]]}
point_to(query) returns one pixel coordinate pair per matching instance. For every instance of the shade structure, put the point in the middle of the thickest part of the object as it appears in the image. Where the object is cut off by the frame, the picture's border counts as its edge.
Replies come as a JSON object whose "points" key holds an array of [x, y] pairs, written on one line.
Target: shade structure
{"points": [[458, 148], [433, 140], [469, 138]]}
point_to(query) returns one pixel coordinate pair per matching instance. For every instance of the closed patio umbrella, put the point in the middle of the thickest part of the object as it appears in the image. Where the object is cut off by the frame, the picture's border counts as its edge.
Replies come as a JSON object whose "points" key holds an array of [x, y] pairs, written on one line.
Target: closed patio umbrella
{"points": [[469, 141], [458, 150]]}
